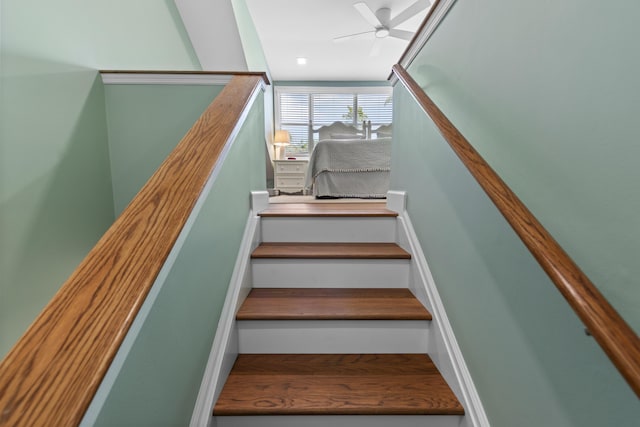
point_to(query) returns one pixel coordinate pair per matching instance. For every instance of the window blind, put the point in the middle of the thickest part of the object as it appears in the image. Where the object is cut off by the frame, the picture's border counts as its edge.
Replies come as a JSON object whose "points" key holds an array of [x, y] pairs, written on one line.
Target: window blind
{"points": [[296, 109]]}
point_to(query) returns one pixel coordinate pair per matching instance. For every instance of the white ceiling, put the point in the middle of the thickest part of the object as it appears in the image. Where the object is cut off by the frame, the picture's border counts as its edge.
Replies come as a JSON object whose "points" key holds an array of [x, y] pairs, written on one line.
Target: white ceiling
{"points": [[289, 29]]}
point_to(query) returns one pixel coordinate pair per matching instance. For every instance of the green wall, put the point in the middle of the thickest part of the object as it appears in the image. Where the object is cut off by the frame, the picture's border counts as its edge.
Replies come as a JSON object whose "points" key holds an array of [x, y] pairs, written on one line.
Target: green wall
{"points": [[159, 381], [145, 124], [253, 52], [256, 61], [56, 196], [549, 96], [546, 92], [55, 193]]}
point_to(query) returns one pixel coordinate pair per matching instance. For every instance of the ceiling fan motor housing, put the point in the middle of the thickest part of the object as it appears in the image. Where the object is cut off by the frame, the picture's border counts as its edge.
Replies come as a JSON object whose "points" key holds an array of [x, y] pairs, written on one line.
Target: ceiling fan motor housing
{"points": [[384, 16]]}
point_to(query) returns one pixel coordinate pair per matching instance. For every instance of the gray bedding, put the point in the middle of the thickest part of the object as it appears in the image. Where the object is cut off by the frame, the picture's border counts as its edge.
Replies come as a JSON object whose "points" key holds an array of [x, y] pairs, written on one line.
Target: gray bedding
{"points": [[350, 168]]}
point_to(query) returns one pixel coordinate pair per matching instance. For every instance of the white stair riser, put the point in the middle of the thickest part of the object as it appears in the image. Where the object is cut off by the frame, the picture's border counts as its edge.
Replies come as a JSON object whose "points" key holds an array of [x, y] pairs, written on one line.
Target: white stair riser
{"points": [[330, 273], [334, 229], [341, 421], [333, 336]]}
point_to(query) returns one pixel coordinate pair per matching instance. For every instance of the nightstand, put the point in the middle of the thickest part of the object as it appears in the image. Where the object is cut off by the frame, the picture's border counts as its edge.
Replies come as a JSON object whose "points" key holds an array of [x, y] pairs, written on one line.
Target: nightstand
{"points": [[289, 175]]}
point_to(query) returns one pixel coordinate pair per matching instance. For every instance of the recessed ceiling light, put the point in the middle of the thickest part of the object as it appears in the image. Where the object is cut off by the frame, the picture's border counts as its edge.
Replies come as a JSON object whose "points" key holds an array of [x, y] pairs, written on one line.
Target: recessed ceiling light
{"points": [[301, 60]]}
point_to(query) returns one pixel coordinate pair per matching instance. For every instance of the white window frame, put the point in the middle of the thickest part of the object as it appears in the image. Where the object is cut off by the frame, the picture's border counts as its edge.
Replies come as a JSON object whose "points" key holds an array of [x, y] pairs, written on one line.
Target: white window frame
{"points": [[352, 90]]}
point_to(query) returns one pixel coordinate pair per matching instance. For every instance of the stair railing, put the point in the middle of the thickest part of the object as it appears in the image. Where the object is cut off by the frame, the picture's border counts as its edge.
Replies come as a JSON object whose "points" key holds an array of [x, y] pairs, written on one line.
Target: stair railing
{"points": [[51, 375], [602, 321]]}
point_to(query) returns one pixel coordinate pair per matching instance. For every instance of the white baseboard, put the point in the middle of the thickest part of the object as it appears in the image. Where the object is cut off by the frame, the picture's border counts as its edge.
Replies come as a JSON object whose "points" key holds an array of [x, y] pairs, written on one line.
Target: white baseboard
{"points": [[224, 349], [445, 351]]}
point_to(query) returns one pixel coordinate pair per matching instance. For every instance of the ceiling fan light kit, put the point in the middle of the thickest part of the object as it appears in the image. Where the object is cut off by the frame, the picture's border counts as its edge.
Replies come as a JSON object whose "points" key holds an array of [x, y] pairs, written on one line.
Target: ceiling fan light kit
{"points": [[384, 25], [382, 33]]}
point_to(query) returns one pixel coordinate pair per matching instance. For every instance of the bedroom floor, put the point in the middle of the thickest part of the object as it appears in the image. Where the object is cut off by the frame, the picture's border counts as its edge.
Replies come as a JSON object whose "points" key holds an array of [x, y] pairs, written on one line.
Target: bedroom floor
{"points": [[287, 198]]}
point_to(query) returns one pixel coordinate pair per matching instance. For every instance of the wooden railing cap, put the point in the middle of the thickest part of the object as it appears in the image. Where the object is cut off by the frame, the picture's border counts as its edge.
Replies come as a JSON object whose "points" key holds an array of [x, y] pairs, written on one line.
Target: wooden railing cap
{"points": [[51, 375], [261, 74]]}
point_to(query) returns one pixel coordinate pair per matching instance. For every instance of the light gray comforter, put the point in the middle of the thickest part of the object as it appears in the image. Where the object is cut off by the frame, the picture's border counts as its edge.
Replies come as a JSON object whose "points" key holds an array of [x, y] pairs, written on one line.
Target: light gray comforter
{"points": [[345, 156]]}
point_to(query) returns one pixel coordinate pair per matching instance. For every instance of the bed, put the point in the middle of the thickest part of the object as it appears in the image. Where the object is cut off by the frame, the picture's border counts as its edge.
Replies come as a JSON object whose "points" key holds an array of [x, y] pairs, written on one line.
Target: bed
{"points": [[349, 162]]}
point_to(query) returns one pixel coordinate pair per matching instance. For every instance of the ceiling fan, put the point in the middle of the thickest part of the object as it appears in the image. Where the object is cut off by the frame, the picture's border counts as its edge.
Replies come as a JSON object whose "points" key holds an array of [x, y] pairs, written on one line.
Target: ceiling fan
{"points": [[383, 25]]}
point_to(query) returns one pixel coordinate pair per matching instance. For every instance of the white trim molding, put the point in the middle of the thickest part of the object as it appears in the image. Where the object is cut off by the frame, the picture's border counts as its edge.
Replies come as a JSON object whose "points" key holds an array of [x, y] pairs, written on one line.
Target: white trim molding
{"points": [[119, 78], [386, 89], [425, 33], [445, 351], [224, 349]]}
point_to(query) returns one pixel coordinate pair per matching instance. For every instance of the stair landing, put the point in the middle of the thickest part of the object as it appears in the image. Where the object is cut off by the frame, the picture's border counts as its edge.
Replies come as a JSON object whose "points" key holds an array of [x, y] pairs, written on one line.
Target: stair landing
{"points": [[336, 384]]}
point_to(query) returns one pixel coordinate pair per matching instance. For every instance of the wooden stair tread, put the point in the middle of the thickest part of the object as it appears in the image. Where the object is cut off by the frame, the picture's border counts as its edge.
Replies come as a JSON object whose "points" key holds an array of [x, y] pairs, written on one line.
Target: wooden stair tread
{"points": [[330, 250], [336, 384], [327, 210], [331, 303]]}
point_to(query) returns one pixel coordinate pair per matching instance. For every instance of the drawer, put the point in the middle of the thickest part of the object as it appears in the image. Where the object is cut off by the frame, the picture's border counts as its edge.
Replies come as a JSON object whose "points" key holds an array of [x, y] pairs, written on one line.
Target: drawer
{"points": [[291, 167], [290, 181]]}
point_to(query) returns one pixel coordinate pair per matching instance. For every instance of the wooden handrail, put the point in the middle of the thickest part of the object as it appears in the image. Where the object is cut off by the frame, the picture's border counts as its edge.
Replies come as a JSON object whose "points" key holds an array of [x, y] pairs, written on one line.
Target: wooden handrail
{"points": [[52, 373], [609, 329]]}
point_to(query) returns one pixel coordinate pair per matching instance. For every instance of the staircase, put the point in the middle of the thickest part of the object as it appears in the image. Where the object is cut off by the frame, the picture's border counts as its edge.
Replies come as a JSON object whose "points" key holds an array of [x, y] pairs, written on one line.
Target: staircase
{"points": [[330, 334]]}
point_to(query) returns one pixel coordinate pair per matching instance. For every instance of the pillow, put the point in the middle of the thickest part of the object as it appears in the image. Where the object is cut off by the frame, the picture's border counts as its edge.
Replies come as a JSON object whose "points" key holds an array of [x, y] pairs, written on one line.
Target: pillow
{"points": [[346, 136]]}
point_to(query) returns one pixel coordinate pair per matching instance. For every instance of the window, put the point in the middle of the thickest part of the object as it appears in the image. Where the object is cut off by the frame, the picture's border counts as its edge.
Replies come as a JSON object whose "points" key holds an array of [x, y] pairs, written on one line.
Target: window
{"points": [[298, 107]]}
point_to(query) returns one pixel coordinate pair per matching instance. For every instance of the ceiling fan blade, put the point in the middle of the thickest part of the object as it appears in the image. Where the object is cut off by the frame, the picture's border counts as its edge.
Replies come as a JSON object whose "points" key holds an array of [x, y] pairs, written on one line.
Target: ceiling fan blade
{"points": [[409, 12], [353, 36], [401, 34], [384, 16], [367, 14]]}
